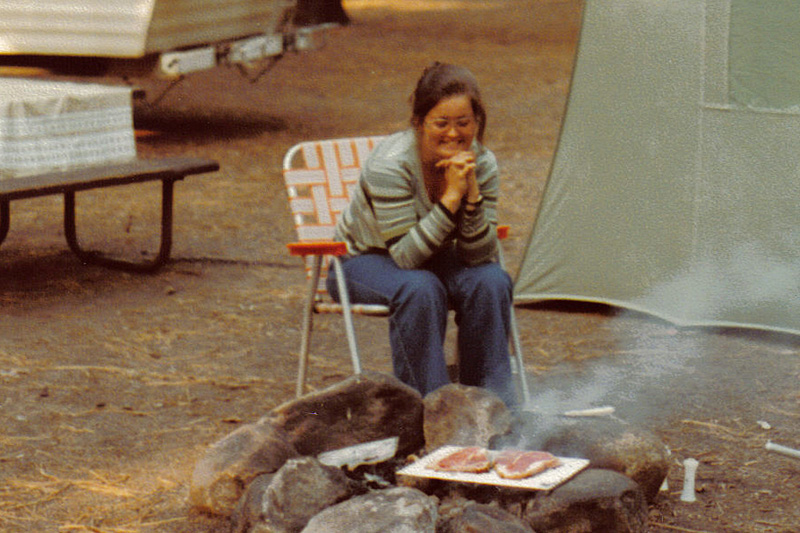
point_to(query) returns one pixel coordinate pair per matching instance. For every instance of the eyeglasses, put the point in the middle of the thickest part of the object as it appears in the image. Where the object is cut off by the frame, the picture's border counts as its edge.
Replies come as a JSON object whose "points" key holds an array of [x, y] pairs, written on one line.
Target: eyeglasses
{"points": [[441, 125]]}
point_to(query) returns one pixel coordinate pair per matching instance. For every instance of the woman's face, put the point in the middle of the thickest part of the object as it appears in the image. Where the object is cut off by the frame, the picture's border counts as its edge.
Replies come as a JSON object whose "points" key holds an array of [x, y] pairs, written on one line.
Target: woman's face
{"points": [[448, 128]]}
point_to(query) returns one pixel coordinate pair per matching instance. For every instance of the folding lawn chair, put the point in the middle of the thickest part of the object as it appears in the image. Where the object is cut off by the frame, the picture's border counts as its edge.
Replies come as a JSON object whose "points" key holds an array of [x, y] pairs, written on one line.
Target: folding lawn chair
{"points": [[319, 177]]}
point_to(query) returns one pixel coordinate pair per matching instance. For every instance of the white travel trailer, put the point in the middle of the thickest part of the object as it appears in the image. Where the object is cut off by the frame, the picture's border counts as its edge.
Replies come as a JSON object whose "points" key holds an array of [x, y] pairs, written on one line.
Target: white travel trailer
{"points": [[48, 122], [151, 38]]}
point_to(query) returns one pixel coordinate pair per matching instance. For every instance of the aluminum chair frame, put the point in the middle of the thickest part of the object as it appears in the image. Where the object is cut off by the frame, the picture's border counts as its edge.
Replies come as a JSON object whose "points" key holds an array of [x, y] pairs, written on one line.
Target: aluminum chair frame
{"points": [[333, 164]]}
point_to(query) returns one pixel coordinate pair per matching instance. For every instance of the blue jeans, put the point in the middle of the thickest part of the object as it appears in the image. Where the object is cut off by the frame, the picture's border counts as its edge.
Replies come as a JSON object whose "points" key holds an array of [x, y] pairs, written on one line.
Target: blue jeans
{"points": [[419, 300]]}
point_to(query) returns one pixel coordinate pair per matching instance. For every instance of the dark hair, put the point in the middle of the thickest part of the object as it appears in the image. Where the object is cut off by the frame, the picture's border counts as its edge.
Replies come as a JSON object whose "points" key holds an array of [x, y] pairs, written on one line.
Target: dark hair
{"points": [[440, 81]]}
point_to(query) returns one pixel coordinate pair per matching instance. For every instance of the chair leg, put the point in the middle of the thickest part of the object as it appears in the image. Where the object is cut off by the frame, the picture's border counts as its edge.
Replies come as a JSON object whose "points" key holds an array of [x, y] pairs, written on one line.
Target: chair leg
{"points": [[308, 318], [347, 314], [516, 347]]}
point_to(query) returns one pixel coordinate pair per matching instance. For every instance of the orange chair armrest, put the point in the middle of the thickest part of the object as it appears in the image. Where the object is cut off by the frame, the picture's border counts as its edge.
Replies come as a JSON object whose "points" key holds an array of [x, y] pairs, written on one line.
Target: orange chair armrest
{"points": [[502, 232], [317, 248], [340, 248]]}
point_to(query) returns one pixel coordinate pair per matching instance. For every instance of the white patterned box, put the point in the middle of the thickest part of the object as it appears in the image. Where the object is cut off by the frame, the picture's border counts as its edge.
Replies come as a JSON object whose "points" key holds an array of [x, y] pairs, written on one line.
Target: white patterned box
{"points": [[48, 125]]}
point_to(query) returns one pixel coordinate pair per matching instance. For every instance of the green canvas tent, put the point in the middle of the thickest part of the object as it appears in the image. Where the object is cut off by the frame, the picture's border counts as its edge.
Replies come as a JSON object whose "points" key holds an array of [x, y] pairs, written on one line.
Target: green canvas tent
{"points": [[675, 188]]}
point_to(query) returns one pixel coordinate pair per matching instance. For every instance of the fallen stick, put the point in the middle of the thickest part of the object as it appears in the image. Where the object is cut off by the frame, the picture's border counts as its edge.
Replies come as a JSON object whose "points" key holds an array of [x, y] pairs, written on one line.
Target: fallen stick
{"points": [[711, 426], [594, 411], [784, 450], [677, 528]]}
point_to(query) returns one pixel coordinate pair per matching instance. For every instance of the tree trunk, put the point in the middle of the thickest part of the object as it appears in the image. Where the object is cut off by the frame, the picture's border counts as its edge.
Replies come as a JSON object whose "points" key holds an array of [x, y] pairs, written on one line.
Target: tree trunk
{"points": [[311, 12]]}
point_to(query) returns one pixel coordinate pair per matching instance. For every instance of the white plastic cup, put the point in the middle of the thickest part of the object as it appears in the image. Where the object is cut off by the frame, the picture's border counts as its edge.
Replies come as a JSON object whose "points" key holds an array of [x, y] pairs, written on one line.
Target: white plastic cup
{"points": [[690, 470]]}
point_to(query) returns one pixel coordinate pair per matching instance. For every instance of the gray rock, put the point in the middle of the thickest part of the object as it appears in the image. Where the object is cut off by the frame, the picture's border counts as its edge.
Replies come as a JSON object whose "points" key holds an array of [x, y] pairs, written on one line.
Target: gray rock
{"points": [[479, 518], [609, 444], [286, 501], [395, 510], [363, 408], [229, 465], [247, 515], [594, 501], [461, 415]]}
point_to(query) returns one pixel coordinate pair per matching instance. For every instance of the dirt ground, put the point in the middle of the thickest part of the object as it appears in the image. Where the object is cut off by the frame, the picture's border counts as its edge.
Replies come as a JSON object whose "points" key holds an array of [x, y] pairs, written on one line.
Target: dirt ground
{"points": [[114, 384]]}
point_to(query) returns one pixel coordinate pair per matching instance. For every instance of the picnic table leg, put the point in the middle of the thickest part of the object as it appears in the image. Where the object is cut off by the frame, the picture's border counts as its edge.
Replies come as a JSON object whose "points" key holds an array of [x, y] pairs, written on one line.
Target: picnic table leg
{"points": [[5, 219], [93, 257]]}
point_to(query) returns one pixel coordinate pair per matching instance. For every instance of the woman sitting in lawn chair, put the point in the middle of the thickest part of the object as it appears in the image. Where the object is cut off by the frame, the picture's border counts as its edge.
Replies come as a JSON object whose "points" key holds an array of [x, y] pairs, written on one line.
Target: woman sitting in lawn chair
{"points": [[421, 239]]}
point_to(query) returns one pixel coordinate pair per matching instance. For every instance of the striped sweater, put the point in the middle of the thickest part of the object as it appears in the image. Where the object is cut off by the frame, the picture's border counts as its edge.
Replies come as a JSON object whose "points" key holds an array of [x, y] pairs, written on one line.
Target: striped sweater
{"points": [[390, 211]]}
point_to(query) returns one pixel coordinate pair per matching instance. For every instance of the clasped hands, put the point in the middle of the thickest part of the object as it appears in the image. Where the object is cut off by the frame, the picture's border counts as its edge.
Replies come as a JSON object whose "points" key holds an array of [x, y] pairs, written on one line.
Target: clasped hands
{"points": [[460, 182]]}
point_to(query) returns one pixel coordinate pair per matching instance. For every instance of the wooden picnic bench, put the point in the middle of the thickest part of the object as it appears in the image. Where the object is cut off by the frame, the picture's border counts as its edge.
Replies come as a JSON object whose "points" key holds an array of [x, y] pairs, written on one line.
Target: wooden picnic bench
{"points": [[70, 181]]}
